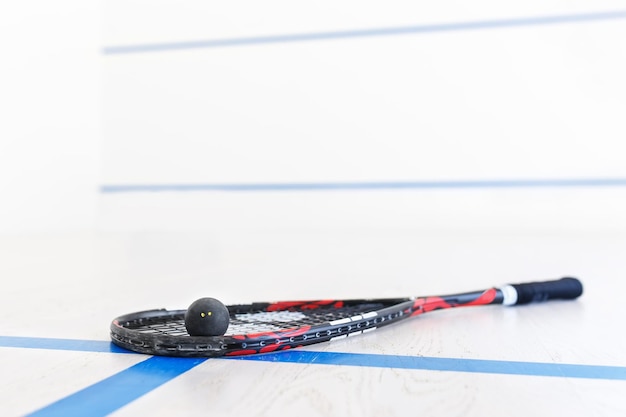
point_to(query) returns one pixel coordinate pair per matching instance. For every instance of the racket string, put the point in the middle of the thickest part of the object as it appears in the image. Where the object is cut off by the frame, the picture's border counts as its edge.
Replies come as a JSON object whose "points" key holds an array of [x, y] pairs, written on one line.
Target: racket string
{"points": [[251, 322]]}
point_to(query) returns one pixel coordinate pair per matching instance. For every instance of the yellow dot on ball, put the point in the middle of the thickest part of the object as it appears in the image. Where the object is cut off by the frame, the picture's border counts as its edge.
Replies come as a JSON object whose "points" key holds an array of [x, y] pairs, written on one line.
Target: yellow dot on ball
{"points": [[202, 314]]}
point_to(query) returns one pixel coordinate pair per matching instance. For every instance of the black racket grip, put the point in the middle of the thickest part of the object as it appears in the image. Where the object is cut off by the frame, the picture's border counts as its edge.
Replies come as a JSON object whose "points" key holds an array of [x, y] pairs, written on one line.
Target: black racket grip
{"points": [[561, 289]]}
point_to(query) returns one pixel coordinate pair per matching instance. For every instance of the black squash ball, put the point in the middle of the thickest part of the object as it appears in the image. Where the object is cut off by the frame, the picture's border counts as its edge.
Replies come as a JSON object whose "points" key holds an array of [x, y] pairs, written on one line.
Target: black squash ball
{"points": [[207, 317]]}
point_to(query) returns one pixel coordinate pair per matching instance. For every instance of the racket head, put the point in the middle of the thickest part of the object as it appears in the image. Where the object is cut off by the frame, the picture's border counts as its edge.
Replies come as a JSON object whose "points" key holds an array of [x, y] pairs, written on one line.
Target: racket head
{"points": [[256, 328]]}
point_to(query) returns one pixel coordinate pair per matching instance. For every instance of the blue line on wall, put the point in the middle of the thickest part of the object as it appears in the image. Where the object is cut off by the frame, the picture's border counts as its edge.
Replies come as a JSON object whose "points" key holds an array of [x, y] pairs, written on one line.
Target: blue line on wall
{"points": [[367, 186], [390, 31]]}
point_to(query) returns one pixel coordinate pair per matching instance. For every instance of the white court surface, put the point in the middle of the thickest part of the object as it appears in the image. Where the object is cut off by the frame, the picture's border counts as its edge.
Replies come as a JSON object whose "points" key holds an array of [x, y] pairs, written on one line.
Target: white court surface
{"points": [[60, 292]]}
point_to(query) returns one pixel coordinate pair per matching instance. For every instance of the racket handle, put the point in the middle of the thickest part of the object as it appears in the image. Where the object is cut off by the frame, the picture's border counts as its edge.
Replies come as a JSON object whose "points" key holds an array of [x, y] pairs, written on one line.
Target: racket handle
{"points": [[560, 289]]}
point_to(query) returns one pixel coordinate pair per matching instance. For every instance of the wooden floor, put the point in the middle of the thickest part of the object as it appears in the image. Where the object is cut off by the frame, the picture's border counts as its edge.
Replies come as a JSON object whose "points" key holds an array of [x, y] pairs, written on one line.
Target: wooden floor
{"points": [[60, 292]]}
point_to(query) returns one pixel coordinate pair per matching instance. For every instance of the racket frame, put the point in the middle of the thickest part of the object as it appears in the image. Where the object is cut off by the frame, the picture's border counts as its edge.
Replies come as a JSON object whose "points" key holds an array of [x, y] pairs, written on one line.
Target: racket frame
{"points": [[124, 334]]}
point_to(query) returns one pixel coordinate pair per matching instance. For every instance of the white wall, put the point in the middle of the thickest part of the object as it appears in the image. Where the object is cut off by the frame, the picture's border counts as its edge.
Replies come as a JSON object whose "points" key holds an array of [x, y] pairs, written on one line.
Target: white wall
{"points": [[277, 92], [49, 115]]}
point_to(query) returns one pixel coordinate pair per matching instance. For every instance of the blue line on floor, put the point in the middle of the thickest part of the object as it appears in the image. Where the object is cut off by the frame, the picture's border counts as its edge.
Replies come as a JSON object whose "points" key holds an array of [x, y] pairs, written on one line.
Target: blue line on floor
{"points": [[369, 186], [60, 344], [360, 359], [401, 30], [444, 364], [110, 394]]}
